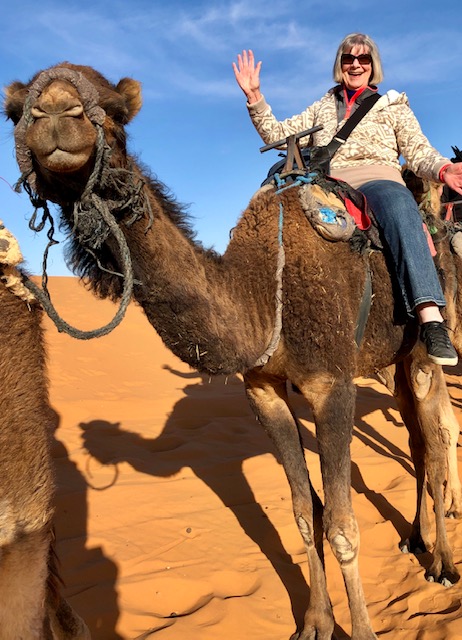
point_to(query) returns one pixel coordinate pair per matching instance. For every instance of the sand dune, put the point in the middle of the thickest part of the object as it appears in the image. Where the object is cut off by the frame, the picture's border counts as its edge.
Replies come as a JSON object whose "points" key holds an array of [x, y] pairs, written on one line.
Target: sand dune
{"points": [[174, 518]]}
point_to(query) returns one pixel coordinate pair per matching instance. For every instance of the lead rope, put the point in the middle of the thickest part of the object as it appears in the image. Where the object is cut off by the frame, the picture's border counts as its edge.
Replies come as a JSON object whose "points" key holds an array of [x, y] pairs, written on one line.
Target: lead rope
{"points": [[42, 294], [281, 261]]}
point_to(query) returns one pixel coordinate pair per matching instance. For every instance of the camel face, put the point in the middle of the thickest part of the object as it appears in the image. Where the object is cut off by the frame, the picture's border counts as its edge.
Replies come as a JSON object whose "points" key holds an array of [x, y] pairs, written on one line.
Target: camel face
{"points": [[61, 138], [57, 115]]}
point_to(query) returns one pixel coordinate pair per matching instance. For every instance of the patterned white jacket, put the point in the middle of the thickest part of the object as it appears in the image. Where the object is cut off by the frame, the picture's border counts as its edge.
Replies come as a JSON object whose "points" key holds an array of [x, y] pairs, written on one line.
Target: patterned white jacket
{"points": [[389, 130]]}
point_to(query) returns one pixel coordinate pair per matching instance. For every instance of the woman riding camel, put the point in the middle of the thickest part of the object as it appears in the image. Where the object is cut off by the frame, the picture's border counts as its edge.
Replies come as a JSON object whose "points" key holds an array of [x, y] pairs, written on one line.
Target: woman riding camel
{"points": [[369, 162]]}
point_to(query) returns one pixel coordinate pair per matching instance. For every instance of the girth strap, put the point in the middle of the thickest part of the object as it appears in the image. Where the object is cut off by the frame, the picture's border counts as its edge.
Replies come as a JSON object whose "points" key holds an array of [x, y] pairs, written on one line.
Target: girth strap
{"points": [[364, 308]]}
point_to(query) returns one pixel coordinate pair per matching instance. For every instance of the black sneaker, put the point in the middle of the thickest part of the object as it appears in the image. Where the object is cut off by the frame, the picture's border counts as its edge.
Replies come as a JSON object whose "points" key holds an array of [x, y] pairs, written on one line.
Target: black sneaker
{"points": [[439, 347]]}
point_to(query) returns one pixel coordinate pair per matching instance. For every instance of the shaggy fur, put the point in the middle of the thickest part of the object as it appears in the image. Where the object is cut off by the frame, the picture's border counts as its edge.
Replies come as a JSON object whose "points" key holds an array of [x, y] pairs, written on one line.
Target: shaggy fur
{"points": [[29, 582], [218, 314]]}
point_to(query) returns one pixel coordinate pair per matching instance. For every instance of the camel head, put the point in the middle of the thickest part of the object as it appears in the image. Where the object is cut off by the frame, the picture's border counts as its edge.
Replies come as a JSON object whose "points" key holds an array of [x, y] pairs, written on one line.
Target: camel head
{"points": [[58, 116]]}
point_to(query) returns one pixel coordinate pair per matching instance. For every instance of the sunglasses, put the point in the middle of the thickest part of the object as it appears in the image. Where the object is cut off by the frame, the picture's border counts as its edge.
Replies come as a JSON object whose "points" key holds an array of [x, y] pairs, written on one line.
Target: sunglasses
{"points": [[363, 58]]}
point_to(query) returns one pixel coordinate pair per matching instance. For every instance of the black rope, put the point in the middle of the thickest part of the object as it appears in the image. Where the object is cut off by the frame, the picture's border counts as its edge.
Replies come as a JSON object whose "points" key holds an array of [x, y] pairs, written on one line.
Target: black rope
{"points": [[43, 295]]}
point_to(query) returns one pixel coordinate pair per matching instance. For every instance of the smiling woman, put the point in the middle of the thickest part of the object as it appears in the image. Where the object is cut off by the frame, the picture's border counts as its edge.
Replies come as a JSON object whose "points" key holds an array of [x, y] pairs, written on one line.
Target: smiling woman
{"points": [[370, 161]]}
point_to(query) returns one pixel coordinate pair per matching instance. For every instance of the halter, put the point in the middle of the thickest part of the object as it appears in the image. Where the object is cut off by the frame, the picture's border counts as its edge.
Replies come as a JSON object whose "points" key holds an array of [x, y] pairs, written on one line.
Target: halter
{"points": [[93, 219]]}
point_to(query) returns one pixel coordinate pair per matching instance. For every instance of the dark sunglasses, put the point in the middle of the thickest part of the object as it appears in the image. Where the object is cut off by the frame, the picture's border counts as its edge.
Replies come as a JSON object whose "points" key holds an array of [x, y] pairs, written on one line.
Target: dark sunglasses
{"points": [[363, 58]]}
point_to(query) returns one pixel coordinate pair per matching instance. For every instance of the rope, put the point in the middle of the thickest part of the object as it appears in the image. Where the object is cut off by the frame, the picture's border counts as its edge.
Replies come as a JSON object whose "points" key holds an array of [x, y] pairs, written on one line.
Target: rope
{"points": [[43, 295], [281, 261], [276, 336]]}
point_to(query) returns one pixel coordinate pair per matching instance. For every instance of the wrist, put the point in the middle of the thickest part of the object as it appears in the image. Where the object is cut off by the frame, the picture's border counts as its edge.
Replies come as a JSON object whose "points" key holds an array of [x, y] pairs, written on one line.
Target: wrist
{"points": [[443, 170], [253, 96]]}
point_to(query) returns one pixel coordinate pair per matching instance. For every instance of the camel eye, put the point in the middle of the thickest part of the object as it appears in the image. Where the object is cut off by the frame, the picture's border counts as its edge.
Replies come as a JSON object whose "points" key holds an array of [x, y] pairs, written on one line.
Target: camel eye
{"points": [[117, 112]]}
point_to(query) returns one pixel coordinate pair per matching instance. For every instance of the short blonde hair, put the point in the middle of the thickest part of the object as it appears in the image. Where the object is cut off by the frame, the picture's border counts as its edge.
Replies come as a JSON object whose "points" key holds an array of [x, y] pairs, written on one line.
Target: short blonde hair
{"points": [[347, 44]]}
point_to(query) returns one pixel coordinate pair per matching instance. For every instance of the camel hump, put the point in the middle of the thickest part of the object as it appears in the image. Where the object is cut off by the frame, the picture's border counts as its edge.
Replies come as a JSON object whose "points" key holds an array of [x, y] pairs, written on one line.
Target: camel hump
{"points": [[10, 253], [10, 257]]}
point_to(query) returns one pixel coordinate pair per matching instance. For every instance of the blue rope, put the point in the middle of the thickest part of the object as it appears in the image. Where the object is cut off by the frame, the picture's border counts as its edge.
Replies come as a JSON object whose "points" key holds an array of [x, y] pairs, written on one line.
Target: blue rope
{"points": [[282, 185], [272, 346]]}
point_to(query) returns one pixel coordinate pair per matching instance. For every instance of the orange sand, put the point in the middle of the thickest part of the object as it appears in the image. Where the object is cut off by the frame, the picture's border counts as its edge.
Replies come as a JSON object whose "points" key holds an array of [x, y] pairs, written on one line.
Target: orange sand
{"points": [[174, 518]]}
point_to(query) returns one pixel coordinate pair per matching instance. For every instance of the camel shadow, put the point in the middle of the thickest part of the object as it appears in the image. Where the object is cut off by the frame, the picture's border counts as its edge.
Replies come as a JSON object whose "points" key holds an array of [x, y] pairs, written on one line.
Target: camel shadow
{"points": [[94, 575], [223, 428]]}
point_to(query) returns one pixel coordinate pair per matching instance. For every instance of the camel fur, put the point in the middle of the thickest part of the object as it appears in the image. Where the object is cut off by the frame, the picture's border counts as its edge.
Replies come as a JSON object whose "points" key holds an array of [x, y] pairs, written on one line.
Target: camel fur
{"points": [[30, 602], [218, 313]]}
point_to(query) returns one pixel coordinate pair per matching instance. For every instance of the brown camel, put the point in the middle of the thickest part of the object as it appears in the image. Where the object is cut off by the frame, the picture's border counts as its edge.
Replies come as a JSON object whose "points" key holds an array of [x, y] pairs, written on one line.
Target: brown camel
{"points": [[30, 602], [221, 314]]}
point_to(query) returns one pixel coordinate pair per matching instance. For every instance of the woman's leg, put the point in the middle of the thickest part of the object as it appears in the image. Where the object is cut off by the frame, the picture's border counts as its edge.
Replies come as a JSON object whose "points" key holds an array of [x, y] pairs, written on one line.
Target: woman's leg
{"points": [[400, 221]]}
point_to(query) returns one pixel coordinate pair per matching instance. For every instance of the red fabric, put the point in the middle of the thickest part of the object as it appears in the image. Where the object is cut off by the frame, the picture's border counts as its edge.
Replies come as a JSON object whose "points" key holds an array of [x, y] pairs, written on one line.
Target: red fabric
{"points": [[431, 246], [360, 217], [449, 210], [442, 170]]}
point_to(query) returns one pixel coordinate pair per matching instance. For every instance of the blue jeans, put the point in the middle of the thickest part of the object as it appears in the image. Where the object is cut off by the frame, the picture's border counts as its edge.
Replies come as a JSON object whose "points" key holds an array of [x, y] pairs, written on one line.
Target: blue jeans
{"points": [[400, 222]]}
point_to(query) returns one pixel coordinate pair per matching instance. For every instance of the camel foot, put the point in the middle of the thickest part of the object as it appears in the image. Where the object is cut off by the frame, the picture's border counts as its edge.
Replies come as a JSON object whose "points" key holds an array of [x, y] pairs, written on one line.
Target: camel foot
{"points": [[446, 576], [452, 503], [413, 546], [311, 635], [316, 627], [453, 513]]}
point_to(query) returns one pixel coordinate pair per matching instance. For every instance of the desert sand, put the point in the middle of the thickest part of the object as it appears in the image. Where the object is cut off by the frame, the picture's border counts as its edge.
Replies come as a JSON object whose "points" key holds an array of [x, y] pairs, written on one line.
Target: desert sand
{"points": [[173, 516]]}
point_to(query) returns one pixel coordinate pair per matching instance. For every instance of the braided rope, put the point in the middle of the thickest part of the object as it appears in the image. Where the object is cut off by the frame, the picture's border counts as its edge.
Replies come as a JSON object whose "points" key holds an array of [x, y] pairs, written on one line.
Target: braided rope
{"points": [[44, 298], [281, 261]]}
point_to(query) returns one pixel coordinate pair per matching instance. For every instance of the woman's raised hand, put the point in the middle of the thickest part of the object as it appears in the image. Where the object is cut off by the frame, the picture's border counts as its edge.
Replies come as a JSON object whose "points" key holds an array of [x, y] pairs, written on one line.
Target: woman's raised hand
{"points": [[248, 75]]}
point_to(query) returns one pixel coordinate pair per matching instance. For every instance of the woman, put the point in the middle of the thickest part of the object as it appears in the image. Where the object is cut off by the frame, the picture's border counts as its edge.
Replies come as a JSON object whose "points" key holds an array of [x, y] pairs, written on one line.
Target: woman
{"points": [[369, 161]]}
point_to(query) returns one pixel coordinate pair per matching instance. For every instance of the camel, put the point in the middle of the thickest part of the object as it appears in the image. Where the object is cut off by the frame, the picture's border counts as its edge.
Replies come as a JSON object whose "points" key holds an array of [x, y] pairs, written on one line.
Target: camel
{"points": [[235, 313], [31, 605], [452, 200]]}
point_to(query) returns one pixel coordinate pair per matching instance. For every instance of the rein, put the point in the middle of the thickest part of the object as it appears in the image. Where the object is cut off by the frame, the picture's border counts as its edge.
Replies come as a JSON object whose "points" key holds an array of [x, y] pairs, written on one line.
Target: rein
{"points": [[276, 335], [90, 204]]}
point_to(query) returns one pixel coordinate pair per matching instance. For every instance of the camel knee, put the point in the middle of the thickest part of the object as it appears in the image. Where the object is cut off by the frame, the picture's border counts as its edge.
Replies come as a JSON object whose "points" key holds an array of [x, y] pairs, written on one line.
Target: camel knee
{"points": [[345, 550], [422, 382], [306, 530], [344, 544]]}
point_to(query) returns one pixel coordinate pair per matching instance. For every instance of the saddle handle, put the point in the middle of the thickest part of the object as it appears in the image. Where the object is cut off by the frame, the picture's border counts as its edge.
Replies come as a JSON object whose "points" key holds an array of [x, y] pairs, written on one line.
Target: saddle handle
{"points": [[295, 136]]}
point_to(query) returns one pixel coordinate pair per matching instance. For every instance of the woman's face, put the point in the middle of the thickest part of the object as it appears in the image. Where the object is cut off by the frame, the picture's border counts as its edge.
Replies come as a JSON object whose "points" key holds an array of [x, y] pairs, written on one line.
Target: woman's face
{"points": [[355, 75]]}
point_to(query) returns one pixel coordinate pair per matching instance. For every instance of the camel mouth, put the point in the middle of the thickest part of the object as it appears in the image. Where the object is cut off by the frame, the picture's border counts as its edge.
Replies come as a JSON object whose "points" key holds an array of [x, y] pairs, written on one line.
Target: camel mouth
{"points": [[62, 161]]}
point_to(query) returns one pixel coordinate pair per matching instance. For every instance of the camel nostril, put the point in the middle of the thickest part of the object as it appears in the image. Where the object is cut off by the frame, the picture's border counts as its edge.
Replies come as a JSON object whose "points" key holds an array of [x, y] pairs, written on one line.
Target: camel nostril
{"points": [[73, 112], [36, 112]]}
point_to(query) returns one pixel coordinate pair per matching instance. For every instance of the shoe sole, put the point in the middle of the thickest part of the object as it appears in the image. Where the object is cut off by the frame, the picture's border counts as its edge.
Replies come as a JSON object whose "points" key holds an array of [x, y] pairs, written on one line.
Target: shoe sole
{"points": [[450, 362]]}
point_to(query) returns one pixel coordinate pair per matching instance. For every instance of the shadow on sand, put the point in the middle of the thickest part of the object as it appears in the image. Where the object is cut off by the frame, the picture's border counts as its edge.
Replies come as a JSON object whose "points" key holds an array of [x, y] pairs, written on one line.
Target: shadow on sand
{"points": [[223, 420], [94, 576]]}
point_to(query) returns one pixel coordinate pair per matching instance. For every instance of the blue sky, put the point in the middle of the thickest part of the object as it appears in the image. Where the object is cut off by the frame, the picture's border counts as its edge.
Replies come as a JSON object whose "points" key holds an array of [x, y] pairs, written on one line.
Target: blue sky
{"points": [[193, 130]]}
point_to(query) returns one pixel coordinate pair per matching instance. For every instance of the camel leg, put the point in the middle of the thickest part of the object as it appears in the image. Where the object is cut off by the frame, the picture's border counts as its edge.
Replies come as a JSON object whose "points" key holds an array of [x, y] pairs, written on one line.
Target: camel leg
{"points": [[453, 490], [430, 392], [333, 403], [27, 608], [63, 623], [268, 398], [23, 573], [419, 538]]}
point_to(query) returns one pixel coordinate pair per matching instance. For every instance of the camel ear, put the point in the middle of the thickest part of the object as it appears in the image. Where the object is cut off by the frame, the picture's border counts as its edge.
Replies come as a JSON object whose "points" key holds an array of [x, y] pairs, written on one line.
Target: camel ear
{"points": [[15, 96], [130, 90]]}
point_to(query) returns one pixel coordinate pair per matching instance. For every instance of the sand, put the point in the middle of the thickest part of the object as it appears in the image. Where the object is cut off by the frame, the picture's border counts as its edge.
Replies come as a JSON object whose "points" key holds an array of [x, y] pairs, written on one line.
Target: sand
{"points": [[173, 516]]}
